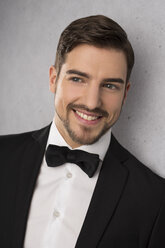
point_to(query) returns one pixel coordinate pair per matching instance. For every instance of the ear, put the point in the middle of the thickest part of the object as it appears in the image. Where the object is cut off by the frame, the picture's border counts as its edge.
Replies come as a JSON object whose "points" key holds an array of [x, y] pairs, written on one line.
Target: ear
{"points": [[52, 79], [126, 91]]}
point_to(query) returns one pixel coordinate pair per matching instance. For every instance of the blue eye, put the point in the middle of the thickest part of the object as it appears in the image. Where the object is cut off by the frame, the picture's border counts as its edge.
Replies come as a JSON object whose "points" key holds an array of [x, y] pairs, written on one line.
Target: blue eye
{"points": [[76, 79], [110, 86]]}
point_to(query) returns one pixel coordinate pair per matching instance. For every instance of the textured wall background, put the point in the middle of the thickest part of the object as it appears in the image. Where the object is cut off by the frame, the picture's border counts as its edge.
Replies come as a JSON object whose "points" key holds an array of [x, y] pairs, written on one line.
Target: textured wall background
{"points": [[29, 31]]}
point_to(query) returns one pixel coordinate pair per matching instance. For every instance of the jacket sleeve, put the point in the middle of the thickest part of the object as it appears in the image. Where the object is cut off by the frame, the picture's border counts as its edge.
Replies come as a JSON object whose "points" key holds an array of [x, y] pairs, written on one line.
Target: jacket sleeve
{"points": [[157, 239]]}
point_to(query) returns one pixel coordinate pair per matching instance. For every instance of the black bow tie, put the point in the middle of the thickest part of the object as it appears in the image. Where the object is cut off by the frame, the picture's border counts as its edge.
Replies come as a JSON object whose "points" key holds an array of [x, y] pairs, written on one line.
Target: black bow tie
{"points": [[58, 155]]}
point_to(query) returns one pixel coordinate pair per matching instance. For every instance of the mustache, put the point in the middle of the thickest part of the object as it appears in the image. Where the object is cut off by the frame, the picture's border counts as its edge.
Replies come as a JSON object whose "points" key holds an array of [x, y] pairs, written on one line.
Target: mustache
{"points": [[83, 107]]}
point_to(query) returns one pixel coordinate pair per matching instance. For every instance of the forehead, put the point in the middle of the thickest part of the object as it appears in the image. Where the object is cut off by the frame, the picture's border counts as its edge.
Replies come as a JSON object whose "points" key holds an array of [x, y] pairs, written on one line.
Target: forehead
{"points": [[101, 62]]}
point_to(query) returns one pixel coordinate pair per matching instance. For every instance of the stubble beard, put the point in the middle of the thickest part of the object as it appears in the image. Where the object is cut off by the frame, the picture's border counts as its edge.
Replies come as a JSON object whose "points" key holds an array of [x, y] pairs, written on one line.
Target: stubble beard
{"points": [[84, 138]]}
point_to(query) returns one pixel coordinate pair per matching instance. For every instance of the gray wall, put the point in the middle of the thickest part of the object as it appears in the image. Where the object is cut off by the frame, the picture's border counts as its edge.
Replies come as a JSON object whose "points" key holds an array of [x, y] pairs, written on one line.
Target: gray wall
{"points": [[29, 31]]}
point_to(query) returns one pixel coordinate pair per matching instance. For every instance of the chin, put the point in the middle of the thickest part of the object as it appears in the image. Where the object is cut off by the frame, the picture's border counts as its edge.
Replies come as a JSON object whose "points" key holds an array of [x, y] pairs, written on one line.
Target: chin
{"points": [[86, 138]]}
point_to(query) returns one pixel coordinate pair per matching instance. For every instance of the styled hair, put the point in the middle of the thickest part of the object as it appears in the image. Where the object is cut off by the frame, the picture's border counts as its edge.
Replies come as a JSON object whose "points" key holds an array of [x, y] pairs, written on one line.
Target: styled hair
{"points": [[97, 30]]}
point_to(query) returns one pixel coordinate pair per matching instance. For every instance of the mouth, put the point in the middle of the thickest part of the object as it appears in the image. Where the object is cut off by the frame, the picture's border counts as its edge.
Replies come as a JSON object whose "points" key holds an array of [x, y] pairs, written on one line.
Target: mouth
{"points": [[87, 118]]}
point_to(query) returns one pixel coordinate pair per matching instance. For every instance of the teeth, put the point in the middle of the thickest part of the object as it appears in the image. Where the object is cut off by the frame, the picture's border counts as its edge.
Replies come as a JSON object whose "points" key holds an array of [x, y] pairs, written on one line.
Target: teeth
{"points": [[87, 117]]}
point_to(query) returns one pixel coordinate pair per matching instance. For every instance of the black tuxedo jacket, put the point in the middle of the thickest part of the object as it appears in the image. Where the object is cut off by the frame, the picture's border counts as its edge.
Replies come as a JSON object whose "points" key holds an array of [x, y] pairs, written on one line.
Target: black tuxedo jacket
{"points": [[127, 209]]}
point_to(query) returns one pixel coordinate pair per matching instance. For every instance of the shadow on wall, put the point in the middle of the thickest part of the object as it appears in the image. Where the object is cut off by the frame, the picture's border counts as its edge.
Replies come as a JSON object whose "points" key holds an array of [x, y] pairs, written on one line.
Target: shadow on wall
{"points": [[132, 116]]}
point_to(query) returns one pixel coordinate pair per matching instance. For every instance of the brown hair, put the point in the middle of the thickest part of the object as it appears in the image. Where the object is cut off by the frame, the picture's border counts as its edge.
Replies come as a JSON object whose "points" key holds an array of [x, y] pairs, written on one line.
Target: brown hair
{"points": [[99, 31]]}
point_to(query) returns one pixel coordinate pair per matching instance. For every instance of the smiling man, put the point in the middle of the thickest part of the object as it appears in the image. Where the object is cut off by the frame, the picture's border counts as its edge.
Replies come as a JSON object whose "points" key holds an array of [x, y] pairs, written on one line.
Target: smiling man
{"points": [[90, 91], [71, 184]]}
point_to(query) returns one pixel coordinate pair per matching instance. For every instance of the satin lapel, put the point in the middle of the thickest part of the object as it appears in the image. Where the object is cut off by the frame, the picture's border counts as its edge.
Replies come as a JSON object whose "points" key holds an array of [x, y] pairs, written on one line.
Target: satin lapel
{"points": [[30, 165], [107, 194]]}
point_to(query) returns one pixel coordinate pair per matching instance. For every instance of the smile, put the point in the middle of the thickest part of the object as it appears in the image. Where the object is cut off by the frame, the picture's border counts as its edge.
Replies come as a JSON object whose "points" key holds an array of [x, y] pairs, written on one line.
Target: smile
{"points": [[87, 117]]}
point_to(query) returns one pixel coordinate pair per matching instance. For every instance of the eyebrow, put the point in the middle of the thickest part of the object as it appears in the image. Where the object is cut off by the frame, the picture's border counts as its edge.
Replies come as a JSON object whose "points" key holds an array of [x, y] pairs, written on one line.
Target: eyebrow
{"points": [[105, 80], [82, 74], [115, 80]]}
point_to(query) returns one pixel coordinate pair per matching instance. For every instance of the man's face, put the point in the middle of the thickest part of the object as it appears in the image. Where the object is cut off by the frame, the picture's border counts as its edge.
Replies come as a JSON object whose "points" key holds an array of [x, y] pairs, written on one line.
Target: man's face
{"points": [[89, 93]]}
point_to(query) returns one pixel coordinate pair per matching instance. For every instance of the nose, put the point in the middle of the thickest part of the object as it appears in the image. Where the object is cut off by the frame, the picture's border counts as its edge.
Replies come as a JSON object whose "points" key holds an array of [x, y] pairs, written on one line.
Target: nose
{"points": [[92, 97]]}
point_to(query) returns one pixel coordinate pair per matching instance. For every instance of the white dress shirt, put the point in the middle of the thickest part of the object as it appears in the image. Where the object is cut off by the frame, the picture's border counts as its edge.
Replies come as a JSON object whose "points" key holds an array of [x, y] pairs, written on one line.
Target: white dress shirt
{"points": [[61, 198]]}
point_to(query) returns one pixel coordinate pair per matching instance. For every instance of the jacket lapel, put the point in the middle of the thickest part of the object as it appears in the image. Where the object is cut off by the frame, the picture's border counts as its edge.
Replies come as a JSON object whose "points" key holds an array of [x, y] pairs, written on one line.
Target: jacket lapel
{"points": [[30, 165], [108, 190], [107, 193]]}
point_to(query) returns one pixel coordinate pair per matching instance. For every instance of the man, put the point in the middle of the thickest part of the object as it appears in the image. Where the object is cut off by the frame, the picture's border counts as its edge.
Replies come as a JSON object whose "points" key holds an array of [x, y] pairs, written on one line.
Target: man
{"points": [[94, 194]]}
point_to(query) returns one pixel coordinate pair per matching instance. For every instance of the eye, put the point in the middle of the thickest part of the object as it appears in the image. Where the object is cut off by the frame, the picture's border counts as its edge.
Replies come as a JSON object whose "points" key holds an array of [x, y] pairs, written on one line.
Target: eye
{"points": [[76, 79], [111, 86]]}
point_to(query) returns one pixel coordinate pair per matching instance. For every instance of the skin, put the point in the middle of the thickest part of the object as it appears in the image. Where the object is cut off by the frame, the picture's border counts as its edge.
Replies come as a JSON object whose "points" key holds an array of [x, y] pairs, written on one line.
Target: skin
{"points": [[92, 81]]}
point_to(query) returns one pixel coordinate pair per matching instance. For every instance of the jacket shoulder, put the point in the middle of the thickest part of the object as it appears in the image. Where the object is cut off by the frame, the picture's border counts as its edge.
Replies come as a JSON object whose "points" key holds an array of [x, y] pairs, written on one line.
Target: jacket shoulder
{"points": [[13, 141], [140, 174]]}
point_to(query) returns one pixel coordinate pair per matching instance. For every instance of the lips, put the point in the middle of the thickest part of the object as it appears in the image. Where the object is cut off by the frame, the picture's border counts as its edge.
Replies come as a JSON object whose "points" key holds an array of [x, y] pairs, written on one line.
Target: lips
{"points": [[87, 117]]}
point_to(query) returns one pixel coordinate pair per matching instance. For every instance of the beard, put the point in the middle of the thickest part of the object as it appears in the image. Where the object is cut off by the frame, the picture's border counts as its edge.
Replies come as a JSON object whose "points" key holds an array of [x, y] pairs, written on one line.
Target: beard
{"points": [[84, 138]]}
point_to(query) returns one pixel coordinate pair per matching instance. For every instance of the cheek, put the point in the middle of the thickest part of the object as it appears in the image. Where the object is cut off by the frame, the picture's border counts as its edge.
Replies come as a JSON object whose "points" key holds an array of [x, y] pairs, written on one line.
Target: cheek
{"points": [[113, 104], [65, 95], [59, 96]]}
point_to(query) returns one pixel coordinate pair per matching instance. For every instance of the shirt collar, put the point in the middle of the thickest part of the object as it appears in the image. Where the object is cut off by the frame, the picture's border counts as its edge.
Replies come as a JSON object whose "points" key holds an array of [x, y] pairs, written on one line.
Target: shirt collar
{"points": [[100, 147]]}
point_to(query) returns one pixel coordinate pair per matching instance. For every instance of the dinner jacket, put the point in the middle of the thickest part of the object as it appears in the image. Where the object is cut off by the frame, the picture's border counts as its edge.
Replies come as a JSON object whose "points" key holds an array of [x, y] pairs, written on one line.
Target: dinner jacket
{"points": [[127, 209]]}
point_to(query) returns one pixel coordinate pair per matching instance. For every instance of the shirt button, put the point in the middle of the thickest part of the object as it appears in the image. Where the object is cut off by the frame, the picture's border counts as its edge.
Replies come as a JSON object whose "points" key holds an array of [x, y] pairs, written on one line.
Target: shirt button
{"points": [[56, 213], [69, 175]]}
